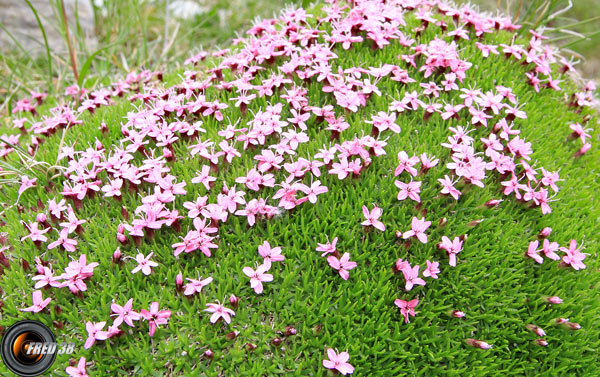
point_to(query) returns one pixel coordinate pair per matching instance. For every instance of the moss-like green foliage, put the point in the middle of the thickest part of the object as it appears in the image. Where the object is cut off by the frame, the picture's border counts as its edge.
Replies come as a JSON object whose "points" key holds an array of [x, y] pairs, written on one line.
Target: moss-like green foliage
{"points": [[500, 290]]}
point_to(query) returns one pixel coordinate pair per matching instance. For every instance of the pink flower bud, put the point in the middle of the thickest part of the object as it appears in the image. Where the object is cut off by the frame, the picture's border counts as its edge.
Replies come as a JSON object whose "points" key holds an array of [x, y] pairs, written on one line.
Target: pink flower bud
{"points": [[121, 238], [99, 145], [492, 203], [573, 326], [116, 257], [536, 330], [208, 354], [233, 300], [121, 228], [541, 342], [545, 232], [586, 147], [40, 218], [560, 321], [179, 281], [289, 331], [478, 344], [554, 300], [457, 314], [167, 154]]}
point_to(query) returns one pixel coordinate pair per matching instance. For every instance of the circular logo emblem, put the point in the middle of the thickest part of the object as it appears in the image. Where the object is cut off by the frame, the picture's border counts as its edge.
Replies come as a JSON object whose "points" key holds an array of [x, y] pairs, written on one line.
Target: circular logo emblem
{"points": [[27, 348]]}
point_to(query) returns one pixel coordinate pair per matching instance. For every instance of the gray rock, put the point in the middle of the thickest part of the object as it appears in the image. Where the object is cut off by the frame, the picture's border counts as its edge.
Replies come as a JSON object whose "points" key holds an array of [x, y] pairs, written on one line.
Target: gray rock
{"points": [[17, 17]]}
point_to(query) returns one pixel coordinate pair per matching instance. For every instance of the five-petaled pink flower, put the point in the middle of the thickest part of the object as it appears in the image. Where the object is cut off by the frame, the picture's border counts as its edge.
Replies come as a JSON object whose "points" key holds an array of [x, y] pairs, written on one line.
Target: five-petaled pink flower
{"points": [[79, 370], [432, 269], [372, 218], [339, 362], [343, 265], [94, 333], [574, 257], [418, 228], [219, 311], [407, 308], [270, 254], [451, 247], [124, 313], [409, 190], [155, 317], [144, 264], [38, 302], [411, 275], [195, 285], [258, 277]]}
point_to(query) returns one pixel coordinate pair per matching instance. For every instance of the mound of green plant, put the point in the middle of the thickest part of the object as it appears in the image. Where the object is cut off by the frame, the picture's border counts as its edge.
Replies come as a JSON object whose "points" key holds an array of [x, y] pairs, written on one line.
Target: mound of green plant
{"points": [[377, 187]]}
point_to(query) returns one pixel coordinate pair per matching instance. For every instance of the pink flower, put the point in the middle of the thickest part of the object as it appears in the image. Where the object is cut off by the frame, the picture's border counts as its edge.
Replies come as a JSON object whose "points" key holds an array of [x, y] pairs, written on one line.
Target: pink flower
{"points": [[411, 275], [195, 286], [448, 187], [144, 264], [406, 164], [64, 241], [314, 190], [533, 253], [432, 269], [35, 234], [113, 188], [372, 218], [94, 333], [327, 248], [407, 308], [574, 256], [451, 247], [343, 265], [155, 317], [219, 311], [549, 249], [38, 303], [78, 371], [124, 313], [418, 228], [258, 277], [270, 254], [409, 190], [26, 183], [204, 177], [338, 362]]}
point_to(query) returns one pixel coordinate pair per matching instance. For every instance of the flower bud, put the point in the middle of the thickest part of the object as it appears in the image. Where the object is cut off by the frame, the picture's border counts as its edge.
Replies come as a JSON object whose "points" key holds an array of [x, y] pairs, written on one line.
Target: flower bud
{"points": [[541, 342], [232, 335], [40, 218], [545, 232], [478, 344], [536, 330], [276, 342], [251, 346], [586, 147], [116, 257], [554, 300], [233, 300], [289, 331], [457, 314], [492, 203], [560, 321], [179, 282], [573, 326], [208, 354]]}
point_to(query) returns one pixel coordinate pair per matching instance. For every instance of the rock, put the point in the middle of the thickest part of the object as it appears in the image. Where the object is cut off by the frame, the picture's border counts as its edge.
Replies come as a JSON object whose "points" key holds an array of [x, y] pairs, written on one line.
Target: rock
{"points": [[18, 18]]}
